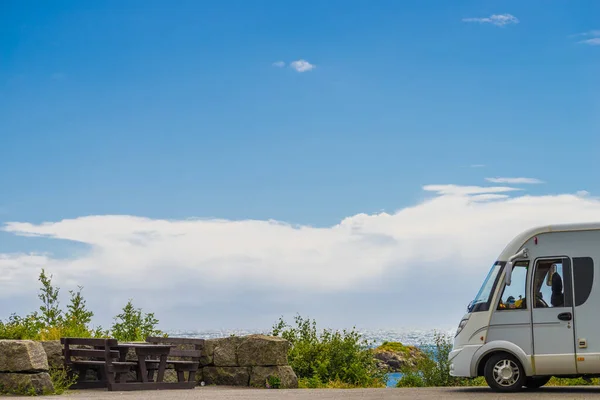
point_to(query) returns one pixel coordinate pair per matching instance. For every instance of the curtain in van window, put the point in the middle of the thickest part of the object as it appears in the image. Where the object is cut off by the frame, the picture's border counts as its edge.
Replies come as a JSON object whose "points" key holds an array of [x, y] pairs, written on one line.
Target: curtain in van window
{"points": [[583, 277]]}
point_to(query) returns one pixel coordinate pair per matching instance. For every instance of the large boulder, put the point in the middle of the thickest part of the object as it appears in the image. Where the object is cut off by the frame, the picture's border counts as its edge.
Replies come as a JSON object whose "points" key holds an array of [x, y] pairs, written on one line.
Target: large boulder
{"points": [[260, 376], [207, 354], [227, 376], [225, 351], [261, 350], [22, 356], [26, 384], [53, 350]]}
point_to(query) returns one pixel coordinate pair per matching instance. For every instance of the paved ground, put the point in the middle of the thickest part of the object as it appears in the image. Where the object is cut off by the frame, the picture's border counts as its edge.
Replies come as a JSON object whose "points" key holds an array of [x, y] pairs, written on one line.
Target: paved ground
{"points": [[221, 393]]}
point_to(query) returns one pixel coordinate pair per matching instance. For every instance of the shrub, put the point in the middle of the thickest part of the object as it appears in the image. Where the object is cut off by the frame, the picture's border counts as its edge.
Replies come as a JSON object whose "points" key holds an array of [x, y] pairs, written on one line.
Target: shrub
{"points": [[395, 347], [61, 379], [434, 368], [20, 328], [134, 326], [331, 356], [50, 322]]}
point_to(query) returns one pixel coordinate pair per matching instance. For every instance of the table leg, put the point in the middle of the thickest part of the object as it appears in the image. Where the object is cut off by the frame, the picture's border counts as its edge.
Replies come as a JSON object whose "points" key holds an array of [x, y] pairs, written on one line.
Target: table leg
{"points": [[161, 368], [123, 354], [142, 367]]}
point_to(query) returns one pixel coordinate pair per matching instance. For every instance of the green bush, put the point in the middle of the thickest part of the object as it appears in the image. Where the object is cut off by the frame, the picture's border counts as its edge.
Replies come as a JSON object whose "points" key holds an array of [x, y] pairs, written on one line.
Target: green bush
{"points": [[329, 358], [61, 379], [50, 322], [134, 326], [434, 368]]}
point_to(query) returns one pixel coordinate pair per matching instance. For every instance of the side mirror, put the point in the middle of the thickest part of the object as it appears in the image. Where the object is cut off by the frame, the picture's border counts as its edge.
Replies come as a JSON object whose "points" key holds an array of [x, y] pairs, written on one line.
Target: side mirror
{"points": [[509, 265]]}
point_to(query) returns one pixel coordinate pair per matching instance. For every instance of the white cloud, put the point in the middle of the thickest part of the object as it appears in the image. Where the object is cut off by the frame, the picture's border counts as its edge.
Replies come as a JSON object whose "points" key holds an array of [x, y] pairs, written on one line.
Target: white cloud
{"points": [[515, 181], [302, 65], [279, 64], [231, 270], [458, 190], [592, 42], [477, 165], [594, 37], [496, 19], [593, 32]]}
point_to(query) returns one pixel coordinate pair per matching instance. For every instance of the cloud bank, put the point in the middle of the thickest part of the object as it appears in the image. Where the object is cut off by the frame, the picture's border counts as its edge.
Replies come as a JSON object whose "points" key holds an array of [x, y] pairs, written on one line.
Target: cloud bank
{"points": [[381, 262]]}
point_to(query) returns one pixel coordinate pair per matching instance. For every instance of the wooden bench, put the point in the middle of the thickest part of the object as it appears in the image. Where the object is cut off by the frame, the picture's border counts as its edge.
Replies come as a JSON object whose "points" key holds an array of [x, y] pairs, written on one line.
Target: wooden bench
{"points": [[96, 355], [183, 360]]}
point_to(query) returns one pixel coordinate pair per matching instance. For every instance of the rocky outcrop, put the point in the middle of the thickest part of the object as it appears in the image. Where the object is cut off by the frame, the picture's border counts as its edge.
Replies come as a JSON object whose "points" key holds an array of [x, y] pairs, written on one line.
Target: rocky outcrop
{"points": [[24, 368], [259, 376], [394, 356]]}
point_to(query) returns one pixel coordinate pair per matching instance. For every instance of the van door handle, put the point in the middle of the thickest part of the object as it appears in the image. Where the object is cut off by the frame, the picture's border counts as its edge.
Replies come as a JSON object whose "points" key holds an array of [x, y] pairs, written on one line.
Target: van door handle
{"points": [[566, 316]]}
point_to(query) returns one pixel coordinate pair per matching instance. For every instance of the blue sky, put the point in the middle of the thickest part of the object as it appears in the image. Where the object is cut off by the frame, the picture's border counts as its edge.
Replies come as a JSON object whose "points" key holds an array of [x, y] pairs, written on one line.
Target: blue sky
{"points": [[141, 108]]}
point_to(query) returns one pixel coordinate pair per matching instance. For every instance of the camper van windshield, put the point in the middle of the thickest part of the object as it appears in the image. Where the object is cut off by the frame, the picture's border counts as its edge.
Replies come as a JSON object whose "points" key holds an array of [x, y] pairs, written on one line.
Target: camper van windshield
{"points": [[482, 300]]}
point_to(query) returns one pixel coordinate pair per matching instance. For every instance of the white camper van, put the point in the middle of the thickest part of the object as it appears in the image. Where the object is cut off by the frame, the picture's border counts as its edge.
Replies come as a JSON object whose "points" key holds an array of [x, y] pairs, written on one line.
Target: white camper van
{"points": [[537, 314]]}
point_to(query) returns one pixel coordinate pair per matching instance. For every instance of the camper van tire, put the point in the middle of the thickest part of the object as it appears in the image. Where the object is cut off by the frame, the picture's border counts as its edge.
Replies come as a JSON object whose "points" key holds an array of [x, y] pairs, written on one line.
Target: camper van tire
{"points": [[537, 382], [504, 373]]}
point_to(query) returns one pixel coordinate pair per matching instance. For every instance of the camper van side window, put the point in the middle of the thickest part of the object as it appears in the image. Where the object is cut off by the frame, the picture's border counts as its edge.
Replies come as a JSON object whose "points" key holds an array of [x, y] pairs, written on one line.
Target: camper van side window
{"points": [[583, 275], [513, 296], [551, 284]]}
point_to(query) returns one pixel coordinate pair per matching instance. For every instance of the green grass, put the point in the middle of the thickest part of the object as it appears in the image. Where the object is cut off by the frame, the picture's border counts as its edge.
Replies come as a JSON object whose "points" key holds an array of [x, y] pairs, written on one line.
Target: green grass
{"points": [[396, 347]]}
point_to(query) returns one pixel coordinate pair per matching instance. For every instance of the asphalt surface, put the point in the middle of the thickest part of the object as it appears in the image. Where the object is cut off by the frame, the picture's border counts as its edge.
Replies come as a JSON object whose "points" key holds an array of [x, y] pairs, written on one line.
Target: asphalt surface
{"points": [[224, 393]]}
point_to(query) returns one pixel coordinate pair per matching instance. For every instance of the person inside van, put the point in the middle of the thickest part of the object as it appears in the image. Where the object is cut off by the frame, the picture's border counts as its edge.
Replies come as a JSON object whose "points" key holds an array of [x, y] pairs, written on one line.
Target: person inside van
{"points": [[558, 297]]}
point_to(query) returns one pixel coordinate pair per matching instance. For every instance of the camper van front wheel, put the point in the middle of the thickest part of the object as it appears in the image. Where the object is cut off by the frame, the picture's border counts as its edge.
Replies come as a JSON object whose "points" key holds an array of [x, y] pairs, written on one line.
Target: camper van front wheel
{"points": [[503, 372]]}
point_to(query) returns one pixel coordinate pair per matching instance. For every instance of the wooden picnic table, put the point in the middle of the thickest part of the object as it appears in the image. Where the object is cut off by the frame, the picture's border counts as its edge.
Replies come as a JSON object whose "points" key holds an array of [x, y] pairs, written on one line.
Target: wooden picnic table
{"points": [[100, 354], [143, 351]]}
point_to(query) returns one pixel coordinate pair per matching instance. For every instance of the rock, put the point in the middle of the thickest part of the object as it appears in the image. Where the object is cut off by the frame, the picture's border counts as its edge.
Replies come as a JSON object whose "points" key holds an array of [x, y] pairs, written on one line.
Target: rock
{"points": [[394, 356], [261, 350], [53, 350], [229, 376], [285, 373], [170, 375], [225, 352], [207, 354], [26, 384], [22, 356], [199, 377]]}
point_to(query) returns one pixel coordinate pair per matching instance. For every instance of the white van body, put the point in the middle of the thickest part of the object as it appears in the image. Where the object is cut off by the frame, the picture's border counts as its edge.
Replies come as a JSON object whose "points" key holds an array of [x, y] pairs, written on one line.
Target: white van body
{"points": [[552, 328]]}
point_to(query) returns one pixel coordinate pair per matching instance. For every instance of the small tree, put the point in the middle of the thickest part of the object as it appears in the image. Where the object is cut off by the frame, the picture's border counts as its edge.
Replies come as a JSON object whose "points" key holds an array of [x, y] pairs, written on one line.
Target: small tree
{"points": [[77, 316], [132, 325], [51, 312]]}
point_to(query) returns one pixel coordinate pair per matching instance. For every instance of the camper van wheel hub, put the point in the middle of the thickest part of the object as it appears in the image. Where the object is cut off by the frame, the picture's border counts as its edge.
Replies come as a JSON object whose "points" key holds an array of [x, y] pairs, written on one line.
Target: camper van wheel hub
{"points": [[506, 372]]}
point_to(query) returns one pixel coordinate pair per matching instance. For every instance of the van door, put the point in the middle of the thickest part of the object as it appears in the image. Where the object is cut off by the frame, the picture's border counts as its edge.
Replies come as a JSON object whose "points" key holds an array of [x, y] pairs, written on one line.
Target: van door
{"points": [[586, 321], [552, 317]]}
